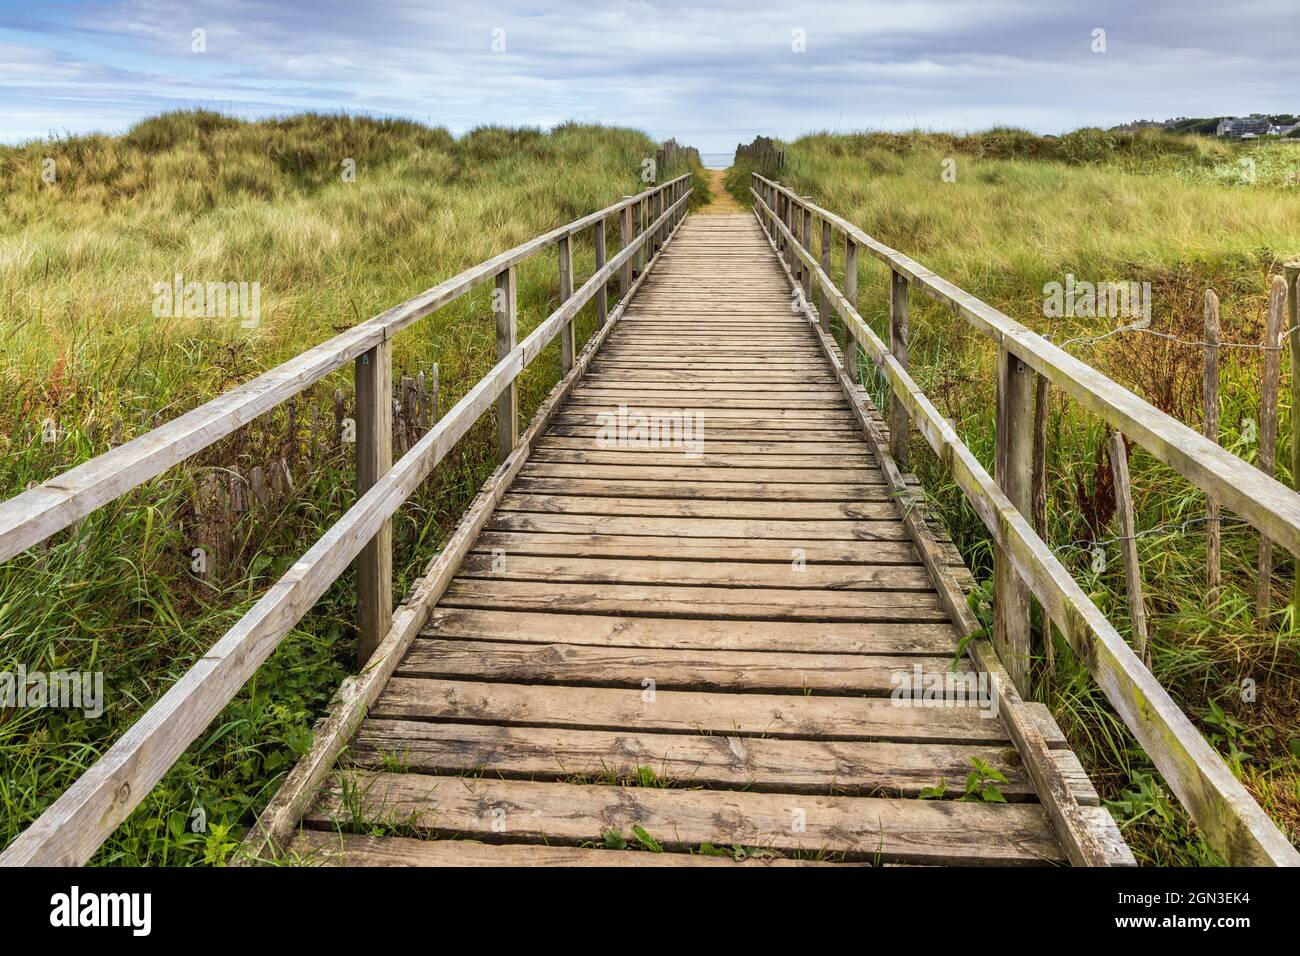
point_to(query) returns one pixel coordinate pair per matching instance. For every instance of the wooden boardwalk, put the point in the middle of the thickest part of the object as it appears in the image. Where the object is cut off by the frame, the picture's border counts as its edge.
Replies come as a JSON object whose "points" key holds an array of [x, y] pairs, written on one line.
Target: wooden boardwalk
{"points": [[697, 635], [687, 611]]}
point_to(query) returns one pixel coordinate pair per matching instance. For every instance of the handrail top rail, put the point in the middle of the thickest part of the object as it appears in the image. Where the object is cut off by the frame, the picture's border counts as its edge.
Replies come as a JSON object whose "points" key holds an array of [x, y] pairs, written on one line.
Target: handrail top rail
{"points": [[31, 516], [1262, 500]]}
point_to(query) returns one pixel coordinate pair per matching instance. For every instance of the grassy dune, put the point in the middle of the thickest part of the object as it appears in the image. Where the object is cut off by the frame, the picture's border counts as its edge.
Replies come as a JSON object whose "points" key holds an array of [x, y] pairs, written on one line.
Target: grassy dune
{"points": [[1185, 214], [84, 360]]}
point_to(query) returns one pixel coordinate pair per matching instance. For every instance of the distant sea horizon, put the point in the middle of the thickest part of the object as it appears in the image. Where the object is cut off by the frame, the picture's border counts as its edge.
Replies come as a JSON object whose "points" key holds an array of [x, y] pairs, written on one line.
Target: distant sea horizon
{"points": [[717, 160]]}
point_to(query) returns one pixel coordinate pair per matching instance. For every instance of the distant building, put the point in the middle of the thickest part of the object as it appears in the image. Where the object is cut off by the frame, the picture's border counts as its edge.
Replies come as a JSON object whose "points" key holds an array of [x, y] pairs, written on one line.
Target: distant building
{"points": [[1244, 127]]}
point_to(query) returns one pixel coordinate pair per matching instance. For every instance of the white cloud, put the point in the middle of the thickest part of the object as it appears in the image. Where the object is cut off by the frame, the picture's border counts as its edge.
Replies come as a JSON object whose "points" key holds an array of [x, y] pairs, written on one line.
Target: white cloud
{"points": [[711, 73]]}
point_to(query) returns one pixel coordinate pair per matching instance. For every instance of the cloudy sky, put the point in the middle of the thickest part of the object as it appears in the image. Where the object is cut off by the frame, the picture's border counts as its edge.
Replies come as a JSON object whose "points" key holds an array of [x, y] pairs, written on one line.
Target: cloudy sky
{"points": [[709, 73]]}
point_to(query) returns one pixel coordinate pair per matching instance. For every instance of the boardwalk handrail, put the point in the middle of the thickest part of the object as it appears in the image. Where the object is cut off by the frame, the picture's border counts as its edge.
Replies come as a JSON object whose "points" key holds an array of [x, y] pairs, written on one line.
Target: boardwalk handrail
{"points": [[1230, 819], [29, 518], [74, 826]]}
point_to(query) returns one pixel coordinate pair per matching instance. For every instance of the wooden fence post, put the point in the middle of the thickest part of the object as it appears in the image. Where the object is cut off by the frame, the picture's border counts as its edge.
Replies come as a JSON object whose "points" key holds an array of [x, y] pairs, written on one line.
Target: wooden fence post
{"points": [[602, 294], [1013, 467], [374, 377], [624, 237], [656, 207], [1268, 396], [806, 240], [851, 293], [1210, 406], [504, 305], [787, 205], [898, 335], [638, 227], [1042, 401], [1128, 544], [1292, 273], [568, 337], [824, 306]]}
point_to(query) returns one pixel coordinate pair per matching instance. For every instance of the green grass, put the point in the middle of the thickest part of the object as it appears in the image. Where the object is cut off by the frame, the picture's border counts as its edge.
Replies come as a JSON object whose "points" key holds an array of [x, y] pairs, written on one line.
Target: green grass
{"points": [[220, 199], [1174, 211]]}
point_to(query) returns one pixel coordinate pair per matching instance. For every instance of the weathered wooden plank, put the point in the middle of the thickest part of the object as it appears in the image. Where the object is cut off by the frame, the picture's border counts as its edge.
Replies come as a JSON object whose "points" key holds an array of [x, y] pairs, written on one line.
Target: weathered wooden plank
{"points": [[683, 760], [502, 565], [329, 848], [777, 550], [845, 530], [685, 508], [869, 828], [779, 716], [679, 601], [581, 665], [695, 439], [698, 634], [830, 467]]}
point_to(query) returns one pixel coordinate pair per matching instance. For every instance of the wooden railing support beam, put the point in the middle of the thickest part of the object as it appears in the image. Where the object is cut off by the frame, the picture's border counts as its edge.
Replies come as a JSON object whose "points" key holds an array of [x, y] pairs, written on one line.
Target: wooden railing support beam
{"points": [[624, 237], [568, 335], [1013, 471], [823, 308], [374, 432], [851, 294], [505, 308], [602, 297], [899, 334]]}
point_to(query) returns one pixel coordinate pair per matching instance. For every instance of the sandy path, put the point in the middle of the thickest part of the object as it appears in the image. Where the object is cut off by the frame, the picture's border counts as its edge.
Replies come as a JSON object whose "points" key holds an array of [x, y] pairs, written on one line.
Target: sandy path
{"points": [[723, 203]]}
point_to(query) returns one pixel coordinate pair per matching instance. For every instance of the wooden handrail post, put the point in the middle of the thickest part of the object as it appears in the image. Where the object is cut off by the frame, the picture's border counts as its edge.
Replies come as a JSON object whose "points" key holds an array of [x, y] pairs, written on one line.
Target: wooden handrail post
{"points": [[851, 293], [1013, 472], [505, 307], [661, 207], [791, 261], [792, 223], [1292, 272], [568, 337], [652, 244], [805, 275], [374, 388], [1128, 534], [778, 213], [823, 306], [638, 227], [624, 237], [899, 424], [602, 294]]}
